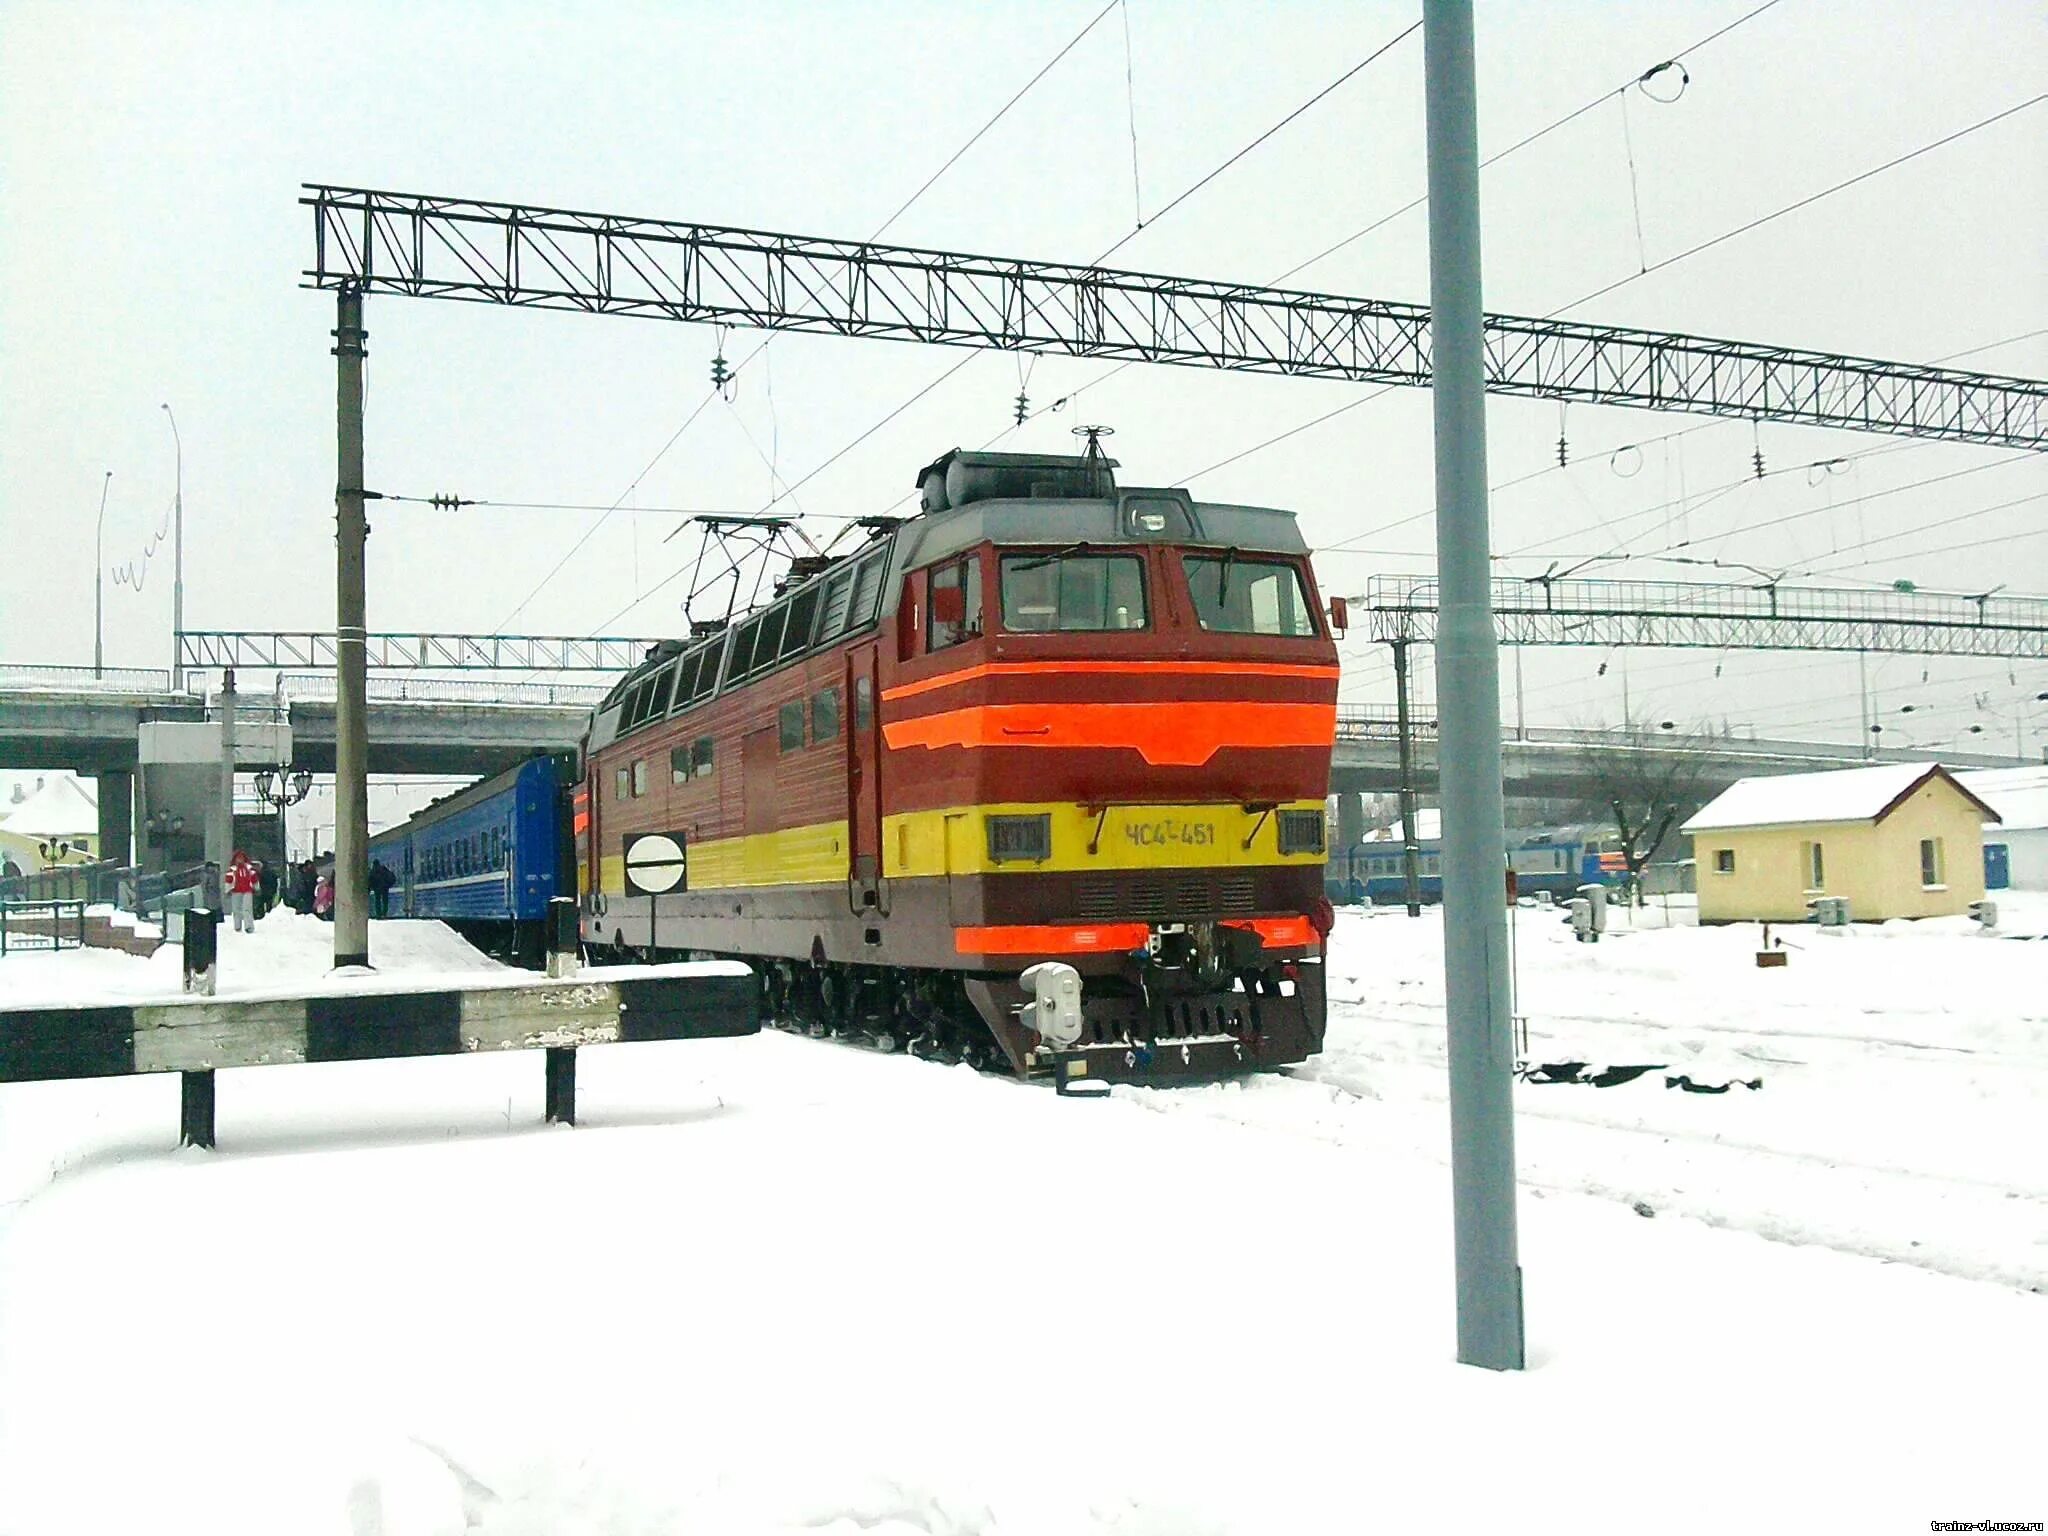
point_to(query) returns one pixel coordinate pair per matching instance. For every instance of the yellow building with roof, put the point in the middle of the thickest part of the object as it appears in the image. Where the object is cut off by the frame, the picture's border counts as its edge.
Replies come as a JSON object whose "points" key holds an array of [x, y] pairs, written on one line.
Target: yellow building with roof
{"points": [[1899, 840]]}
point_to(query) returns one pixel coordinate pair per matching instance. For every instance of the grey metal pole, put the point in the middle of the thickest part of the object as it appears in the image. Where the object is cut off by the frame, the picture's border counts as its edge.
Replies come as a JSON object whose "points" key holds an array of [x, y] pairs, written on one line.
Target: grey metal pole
{"points": [[177, 560], [1411, 855], [1476, 959], [98, 575], [351, 744], [220, 839]]}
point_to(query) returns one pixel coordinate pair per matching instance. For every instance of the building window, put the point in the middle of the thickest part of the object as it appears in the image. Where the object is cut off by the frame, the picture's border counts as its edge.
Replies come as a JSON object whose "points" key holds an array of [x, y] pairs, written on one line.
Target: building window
{"points": [[954, 596], [825, 715], [1810, 862], [622, 782], [639, 777], [790, 723], [863, 703], [1933, 871], [700, 758], [1724, 861]]}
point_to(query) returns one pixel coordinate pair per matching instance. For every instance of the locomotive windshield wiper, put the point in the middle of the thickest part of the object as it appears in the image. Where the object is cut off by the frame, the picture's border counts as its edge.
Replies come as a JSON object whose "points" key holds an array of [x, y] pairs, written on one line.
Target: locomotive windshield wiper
{"points": [[1033, 562], [1223, 576]]}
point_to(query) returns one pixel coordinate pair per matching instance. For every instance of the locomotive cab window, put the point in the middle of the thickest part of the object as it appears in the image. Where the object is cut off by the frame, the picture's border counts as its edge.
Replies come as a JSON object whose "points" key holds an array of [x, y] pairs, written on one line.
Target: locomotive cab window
{"points": [[954, 596], [1063, 591], [1236, 596]]}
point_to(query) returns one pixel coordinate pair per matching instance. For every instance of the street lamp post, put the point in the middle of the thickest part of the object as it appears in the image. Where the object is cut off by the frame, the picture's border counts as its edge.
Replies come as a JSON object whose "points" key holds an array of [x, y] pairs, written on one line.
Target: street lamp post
{"points": [[282, 788], [99, 580], [177, 559]]}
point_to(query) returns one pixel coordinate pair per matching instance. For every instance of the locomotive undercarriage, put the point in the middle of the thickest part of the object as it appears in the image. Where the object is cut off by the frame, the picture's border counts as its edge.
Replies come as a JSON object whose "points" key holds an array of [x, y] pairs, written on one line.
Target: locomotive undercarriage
{"points": [[1141, 1023], [1203, 998]]}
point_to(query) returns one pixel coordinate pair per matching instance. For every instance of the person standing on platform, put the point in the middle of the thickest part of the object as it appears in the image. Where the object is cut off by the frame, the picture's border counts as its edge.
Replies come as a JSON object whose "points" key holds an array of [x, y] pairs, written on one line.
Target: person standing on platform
{"points": [[381, 881], [241, 890]]}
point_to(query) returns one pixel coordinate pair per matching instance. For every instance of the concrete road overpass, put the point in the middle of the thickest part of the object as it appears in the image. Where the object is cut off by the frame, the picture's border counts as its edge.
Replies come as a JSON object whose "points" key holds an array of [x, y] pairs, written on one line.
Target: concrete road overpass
{"points": [[414, 727]]}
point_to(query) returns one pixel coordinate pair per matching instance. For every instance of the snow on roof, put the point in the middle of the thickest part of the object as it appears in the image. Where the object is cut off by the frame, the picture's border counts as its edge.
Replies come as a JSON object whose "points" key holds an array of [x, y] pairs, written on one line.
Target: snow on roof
{"points": [[1429, 823], [1796, 799], [61, 807], [2018, 795]]}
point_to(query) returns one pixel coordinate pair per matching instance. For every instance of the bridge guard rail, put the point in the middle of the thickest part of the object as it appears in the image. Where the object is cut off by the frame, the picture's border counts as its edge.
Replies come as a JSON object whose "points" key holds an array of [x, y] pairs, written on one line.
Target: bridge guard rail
{"points": [[196, 1036]]}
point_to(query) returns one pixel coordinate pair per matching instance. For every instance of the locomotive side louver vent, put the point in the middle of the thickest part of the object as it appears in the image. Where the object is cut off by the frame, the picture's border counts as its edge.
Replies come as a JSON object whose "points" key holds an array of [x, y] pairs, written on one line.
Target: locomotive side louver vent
{"points": [[1019, 839], [1301, 832], [1237, 894]]}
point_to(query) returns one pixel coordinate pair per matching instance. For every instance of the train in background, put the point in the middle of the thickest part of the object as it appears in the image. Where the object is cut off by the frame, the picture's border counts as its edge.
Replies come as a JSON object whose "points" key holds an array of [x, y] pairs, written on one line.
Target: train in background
{"points": [[488, 859], [1558, 860]]}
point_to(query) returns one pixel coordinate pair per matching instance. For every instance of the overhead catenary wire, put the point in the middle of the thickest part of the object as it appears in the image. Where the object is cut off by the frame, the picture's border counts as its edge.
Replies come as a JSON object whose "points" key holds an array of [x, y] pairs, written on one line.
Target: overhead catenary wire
{"points": [[1805, 202], [1001, 112], [969, 357]]}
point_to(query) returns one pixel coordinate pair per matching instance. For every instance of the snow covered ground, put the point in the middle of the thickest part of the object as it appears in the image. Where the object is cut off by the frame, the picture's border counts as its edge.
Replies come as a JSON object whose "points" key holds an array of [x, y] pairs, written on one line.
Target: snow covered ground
{"points": [[775, 1285]]}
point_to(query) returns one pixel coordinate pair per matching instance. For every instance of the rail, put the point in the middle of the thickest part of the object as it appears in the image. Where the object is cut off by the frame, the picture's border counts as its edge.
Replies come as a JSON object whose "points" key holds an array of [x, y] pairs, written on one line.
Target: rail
{"points": [[1766, 615], [447, 690], [1363, 724], [87, 679], [22, 929]]}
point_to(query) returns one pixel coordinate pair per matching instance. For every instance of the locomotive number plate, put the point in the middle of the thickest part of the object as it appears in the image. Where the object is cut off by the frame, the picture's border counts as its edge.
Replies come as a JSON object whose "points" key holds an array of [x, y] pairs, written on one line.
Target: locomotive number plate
{"points": [[1171, 832]]}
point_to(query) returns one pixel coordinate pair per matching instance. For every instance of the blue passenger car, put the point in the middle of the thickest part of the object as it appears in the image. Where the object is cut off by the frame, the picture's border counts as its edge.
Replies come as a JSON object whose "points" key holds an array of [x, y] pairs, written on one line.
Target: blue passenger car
{"points": [[1558, 860], [488, 859]]}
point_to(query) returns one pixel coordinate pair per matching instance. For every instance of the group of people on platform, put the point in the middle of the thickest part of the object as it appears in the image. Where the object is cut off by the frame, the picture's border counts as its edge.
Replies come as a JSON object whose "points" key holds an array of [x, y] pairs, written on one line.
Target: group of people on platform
{"points": [[253, 888]]}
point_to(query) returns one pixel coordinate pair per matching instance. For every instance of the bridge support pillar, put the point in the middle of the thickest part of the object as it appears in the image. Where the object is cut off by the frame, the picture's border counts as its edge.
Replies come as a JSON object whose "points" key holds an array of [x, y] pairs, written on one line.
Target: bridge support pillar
{"points": [[117, 815], [195, 1109], [1350, 823]]}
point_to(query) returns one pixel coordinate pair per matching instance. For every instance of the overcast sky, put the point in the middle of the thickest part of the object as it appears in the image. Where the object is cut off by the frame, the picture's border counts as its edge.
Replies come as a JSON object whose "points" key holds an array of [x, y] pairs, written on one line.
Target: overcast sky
{"points": [[151, 158]]}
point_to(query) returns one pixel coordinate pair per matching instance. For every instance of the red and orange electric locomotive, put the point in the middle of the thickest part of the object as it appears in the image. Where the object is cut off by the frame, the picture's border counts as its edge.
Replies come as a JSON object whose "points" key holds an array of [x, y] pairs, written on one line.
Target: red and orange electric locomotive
{"points": [[1045, 719]]}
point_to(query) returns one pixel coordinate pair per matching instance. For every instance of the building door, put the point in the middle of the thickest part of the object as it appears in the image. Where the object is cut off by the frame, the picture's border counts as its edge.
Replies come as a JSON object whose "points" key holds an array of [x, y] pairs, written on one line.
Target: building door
{"points": [[1997, 866], [864, 781]]}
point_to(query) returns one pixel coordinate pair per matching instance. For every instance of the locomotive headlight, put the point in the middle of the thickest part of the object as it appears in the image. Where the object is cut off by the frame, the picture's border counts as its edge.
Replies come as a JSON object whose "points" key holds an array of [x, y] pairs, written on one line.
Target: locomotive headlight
{"points": [[1054, 1012]]}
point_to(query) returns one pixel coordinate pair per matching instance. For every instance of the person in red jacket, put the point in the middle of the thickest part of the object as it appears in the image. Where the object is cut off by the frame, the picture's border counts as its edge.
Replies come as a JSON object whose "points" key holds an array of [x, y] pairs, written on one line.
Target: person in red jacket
{"points": [[241, 884]]}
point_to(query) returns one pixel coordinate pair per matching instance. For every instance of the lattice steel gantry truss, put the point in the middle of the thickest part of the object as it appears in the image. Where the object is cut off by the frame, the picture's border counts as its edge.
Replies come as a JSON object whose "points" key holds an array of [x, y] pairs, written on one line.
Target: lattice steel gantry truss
{"points": [[1724, 616], [415, 652], [550, 258]]}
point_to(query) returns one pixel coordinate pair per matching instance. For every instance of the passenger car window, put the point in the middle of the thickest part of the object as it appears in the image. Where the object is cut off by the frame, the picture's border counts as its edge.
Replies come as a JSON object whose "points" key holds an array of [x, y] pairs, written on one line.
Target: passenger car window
{"points": [[1059, 592], [1235, 596]]}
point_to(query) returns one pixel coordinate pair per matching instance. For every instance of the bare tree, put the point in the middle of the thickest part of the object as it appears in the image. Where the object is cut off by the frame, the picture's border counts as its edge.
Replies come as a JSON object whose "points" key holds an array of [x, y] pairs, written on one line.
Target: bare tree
{"points": [[1643, 780]]}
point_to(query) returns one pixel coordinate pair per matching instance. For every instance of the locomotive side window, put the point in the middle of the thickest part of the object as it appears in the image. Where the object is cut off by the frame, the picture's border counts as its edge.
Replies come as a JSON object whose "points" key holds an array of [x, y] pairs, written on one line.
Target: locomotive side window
{"points": [[825, 715], [863, 703], [1235, 596], [700, 757], [679, 764], [663, 691], [622, 783], [955, 600], [789, 724], [1044, 593], [639, 777]]}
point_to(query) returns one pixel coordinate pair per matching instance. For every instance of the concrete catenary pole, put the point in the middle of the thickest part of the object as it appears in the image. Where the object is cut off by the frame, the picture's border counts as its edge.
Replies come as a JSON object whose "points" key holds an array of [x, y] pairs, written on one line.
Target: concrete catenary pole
{"points": [[1476, 956], [177, 557], [351, 724], [1411, 852], [220, 821]]}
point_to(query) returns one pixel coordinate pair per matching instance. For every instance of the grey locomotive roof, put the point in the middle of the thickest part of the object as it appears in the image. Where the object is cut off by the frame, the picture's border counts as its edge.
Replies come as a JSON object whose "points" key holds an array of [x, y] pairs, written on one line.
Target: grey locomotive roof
{"points": [[1098, 522], [932, 536]]}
